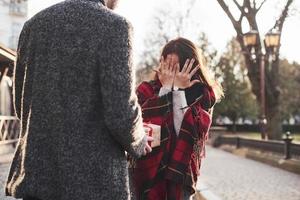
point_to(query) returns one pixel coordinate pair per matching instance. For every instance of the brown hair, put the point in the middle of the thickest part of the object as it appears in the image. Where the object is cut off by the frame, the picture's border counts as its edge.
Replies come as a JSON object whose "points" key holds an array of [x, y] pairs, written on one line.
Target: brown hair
{"points": [[185, 49]]}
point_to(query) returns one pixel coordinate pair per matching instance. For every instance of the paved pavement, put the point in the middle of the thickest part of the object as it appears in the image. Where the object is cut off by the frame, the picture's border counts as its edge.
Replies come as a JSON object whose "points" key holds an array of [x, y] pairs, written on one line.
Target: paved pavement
{"points": [[230, 177], [3, 174]]}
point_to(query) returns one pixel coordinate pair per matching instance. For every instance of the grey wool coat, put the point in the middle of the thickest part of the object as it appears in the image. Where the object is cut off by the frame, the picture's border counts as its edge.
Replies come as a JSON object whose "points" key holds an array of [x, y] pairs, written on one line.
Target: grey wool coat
{"points": [[74, 94]]}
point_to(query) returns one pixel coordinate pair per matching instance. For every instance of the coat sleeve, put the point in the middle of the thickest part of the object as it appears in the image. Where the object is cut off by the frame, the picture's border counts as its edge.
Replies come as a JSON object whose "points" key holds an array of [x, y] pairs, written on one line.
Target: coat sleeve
{"points": [[152, 104], [209, 98], [202, 112], [20, 69], [205, 92], [122, 114]]}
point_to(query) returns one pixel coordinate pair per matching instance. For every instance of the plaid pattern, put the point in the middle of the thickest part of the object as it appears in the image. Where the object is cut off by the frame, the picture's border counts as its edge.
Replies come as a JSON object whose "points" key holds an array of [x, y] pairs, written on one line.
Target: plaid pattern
{"points": [[175, 165]]}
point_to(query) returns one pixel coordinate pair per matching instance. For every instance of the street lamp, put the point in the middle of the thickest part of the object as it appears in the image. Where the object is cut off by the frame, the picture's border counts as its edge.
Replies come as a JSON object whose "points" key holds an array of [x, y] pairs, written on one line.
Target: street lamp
{"points": [[272, 42], [250, 38], [250, 41], [270, 48]]}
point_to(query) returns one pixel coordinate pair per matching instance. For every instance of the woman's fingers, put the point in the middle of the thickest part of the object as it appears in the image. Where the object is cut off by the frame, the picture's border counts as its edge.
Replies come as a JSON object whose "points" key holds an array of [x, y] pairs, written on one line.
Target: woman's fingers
{"points": [[156, 70], [171, 63], [186, 64], [188, 70], [162, 59], [177, 68], [194, 70], [168, 63], [162, 64]]}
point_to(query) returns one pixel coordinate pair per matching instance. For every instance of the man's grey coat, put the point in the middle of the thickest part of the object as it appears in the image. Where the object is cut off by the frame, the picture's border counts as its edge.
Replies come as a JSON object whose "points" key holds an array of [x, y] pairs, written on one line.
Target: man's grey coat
{"points": [[74, 94]]}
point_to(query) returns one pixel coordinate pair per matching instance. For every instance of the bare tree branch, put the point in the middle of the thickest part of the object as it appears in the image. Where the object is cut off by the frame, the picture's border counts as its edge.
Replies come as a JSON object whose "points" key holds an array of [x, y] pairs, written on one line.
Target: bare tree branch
{"points": [[259, 7], [250, 14], [238, 5], [241, 19], [235, 23], [189, 9], [253, 4], [4, 2], [279, 23], [182, 18]]}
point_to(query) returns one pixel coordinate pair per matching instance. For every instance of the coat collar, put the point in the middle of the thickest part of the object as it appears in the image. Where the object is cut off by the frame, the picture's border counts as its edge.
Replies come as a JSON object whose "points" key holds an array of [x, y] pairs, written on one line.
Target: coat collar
{"points": [[101, 1]]}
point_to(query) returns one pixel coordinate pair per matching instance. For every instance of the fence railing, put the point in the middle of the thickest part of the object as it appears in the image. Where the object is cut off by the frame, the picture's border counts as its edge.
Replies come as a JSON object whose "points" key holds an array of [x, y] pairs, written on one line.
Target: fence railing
{"points": [[9, 129], [282, 147]]}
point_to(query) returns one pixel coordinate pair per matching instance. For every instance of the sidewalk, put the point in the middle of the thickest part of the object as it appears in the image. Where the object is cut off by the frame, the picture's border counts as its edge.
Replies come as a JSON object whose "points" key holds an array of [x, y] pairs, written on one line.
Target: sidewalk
{"points": [[6, 156], [204, 193], [230, 177], [4, 166]]}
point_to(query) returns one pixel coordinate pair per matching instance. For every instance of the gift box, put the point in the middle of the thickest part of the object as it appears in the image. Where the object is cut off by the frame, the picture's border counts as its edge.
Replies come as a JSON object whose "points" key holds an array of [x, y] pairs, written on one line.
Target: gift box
{"points": [[153, 130]]}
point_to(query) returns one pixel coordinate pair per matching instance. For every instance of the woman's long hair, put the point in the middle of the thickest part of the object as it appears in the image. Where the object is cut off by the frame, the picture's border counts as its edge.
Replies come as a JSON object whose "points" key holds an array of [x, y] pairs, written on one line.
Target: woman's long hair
{"points": [[185, 49]]}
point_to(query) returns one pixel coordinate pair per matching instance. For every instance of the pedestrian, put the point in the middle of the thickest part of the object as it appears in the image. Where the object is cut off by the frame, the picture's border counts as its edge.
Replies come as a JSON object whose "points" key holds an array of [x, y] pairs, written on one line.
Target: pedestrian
{"points": [[180, 100], [74, 95]]}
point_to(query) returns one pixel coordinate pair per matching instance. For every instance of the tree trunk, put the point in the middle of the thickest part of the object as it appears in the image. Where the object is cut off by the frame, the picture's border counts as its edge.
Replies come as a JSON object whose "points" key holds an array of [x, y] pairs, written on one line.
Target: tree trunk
{"points": [[234, 127], [274, 119], [234, 124], [274, 127]]}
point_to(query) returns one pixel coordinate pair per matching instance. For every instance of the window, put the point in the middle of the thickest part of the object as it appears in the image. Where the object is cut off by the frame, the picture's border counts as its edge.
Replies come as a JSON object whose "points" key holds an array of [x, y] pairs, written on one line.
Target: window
{"points": [[18, 7]]}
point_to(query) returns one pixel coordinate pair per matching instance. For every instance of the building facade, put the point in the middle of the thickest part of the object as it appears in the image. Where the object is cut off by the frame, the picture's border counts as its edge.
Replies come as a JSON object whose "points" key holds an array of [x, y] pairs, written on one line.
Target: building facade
{"points": [[13, 14]]}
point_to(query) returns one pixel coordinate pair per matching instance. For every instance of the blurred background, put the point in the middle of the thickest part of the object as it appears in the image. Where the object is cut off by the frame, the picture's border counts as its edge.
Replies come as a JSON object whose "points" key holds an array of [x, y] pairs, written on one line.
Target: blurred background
{"points": [[251, 46]]}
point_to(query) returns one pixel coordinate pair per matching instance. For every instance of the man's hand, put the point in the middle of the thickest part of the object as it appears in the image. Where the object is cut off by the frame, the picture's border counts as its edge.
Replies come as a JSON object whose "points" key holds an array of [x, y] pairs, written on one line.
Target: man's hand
{"points": [[148, 148]]}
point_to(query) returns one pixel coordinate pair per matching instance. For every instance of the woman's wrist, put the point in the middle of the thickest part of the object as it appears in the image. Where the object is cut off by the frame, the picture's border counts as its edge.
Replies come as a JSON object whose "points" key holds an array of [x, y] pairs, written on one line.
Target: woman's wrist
{"points": [[175, 88], [167, 86], [164, 91]]}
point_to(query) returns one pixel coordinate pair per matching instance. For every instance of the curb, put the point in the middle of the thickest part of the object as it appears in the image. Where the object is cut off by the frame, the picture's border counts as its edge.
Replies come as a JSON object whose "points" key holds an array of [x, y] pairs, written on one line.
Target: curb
{"points": [[291, 165], [204, 193]]}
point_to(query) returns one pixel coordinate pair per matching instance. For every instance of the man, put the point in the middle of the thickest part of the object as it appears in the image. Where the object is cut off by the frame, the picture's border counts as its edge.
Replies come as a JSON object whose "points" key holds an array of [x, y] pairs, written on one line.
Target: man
{"points": [[74, 94]]}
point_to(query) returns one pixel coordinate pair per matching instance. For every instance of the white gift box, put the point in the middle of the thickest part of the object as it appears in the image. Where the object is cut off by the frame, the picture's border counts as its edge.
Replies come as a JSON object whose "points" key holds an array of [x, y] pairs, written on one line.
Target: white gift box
{"points": [[153, 130]]}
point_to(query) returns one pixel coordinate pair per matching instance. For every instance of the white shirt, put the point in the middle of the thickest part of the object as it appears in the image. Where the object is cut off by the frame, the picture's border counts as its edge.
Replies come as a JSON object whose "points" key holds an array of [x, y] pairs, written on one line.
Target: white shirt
{"points": [[179, 102]]}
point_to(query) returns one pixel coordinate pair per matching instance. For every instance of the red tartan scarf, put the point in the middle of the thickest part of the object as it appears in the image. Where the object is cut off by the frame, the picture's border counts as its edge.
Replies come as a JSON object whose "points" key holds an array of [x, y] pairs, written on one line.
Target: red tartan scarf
{"points": [[174, 165]]}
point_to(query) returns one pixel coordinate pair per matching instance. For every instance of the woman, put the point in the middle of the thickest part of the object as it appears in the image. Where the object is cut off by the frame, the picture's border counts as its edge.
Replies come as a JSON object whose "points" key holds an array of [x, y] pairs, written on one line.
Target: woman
{"points": [[180, 101]]}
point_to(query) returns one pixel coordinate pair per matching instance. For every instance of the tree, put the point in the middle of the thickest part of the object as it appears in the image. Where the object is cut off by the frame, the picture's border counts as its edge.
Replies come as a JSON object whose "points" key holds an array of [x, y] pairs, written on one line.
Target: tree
{"points": [[290, 81], [248, 11], [239, 101]]}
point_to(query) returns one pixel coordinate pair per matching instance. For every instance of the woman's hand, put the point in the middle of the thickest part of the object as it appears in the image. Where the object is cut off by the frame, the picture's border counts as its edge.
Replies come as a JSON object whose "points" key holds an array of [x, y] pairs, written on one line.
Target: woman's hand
{"points": [[166, 72], [182, 78]]}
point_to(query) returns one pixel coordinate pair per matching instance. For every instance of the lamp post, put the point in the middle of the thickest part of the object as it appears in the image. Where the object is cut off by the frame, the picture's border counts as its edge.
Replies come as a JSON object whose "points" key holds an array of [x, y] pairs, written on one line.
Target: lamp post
{"points": [[256, 51], [287, 138]]}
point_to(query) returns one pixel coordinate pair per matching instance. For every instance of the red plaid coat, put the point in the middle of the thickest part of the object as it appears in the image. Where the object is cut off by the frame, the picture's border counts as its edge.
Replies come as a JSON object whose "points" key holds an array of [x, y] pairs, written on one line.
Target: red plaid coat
{"points": [[175, 164]]}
